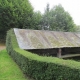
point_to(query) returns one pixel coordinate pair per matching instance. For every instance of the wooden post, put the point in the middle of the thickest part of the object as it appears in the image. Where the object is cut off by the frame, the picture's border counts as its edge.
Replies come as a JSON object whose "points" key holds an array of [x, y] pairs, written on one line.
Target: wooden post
{"points": [[59, 53]]}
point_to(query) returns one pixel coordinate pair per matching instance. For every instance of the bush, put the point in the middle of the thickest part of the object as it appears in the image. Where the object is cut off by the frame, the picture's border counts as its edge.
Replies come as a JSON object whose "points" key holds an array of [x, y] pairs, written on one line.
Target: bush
{"points": [[39, 67]]}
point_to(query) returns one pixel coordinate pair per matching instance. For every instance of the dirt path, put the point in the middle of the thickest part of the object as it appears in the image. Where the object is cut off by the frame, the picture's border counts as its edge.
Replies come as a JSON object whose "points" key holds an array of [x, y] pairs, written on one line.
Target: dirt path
{"points": [[2, 47]]}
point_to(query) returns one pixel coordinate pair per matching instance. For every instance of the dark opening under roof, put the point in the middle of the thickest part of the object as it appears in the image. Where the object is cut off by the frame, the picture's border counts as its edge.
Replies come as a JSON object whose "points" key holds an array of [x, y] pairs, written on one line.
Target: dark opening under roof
{"points": [[43, 39]]}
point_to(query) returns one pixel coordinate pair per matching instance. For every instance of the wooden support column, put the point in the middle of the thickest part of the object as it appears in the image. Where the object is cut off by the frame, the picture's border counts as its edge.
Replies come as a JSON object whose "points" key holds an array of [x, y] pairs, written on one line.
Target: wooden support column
{"points": [[59, 53]]}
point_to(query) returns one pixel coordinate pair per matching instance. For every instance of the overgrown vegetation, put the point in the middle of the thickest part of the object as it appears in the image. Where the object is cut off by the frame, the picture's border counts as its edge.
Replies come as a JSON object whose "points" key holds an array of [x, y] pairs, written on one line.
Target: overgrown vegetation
{"points": [[42, 68]]}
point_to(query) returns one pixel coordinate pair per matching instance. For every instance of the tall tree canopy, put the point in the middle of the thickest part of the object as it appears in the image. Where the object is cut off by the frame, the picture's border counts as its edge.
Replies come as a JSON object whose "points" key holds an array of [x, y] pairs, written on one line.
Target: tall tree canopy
{"points": [[36, 20], [15, 13], [46, 18], [58, 19]]}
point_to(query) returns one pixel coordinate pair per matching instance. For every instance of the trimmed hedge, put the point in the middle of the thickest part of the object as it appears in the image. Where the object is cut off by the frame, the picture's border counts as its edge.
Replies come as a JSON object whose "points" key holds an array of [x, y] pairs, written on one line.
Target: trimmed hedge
{"points": [[39, 67]]}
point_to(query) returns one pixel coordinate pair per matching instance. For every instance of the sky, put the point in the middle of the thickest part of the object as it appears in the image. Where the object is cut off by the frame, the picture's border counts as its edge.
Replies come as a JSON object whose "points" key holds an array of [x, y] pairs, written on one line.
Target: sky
{"points": [[71, 6]]}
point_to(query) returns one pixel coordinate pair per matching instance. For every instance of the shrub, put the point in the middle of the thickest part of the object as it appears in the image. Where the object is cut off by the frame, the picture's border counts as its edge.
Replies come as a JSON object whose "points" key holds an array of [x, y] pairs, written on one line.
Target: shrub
{"points": [[39, 67]]}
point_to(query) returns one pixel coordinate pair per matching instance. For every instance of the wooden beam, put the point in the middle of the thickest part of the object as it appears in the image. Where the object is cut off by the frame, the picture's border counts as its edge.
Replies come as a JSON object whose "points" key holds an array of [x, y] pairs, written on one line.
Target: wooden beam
{"points": [[59, 53], [70, 55]]}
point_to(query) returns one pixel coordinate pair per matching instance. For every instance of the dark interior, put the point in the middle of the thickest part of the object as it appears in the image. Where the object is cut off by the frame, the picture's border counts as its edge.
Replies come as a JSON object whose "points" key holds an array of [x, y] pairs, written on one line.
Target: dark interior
{"points": [[54, 51]]}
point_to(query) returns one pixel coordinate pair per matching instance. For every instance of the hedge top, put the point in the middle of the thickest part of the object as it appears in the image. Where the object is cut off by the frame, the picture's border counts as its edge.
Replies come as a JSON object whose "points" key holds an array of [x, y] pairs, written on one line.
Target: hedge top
{"points": [[41, 39]]}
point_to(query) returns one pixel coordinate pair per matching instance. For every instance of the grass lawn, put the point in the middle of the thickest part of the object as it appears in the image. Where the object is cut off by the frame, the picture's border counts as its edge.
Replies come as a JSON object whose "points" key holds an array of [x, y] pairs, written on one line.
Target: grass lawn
{"points": [[9, 70]]}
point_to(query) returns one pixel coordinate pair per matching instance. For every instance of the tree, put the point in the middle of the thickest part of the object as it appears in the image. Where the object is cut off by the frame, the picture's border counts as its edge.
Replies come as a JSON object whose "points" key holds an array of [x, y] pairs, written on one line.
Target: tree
{"points": [[78, 28], [36, 20], [59, 19], [62, 21], [14, 13], [45, 19]]}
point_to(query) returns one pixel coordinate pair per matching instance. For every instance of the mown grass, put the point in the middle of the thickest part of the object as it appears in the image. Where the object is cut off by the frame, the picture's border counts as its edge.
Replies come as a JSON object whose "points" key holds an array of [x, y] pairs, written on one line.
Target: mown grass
{"points": [[9, 69]]}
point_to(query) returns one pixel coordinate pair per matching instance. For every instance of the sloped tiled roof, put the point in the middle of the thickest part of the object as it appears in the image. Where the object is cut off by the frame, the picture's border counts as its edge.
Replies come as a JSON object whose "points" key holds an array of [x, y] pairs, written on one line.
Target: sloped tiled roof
{"points": [[42, 39]]}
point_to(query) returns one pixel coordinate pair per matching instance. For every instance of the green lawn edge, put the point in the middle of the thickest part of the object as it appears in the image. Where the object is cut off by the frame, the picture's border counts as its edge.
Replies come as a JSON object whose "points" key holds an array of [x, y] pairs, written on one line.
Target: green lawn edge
{"points": [[9, 70]]}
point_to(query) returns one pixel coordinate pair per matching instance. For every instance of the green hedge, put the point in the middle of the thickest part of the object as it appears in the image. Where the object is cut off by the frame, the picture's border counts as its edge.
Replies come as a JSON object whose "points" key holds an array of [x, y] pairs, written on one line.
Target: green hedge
{"points": [[42, 68]]}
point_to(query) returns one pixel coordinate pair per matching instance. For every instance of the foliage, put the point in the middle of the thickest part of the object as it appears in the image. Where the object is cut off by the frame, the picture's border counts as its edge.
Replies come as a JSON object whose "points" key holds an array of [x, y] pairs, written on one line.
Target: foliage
{"points": [[42, 68], [58, 19], [46, 18], [78, 28], [36, 20], [14, 13]]}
